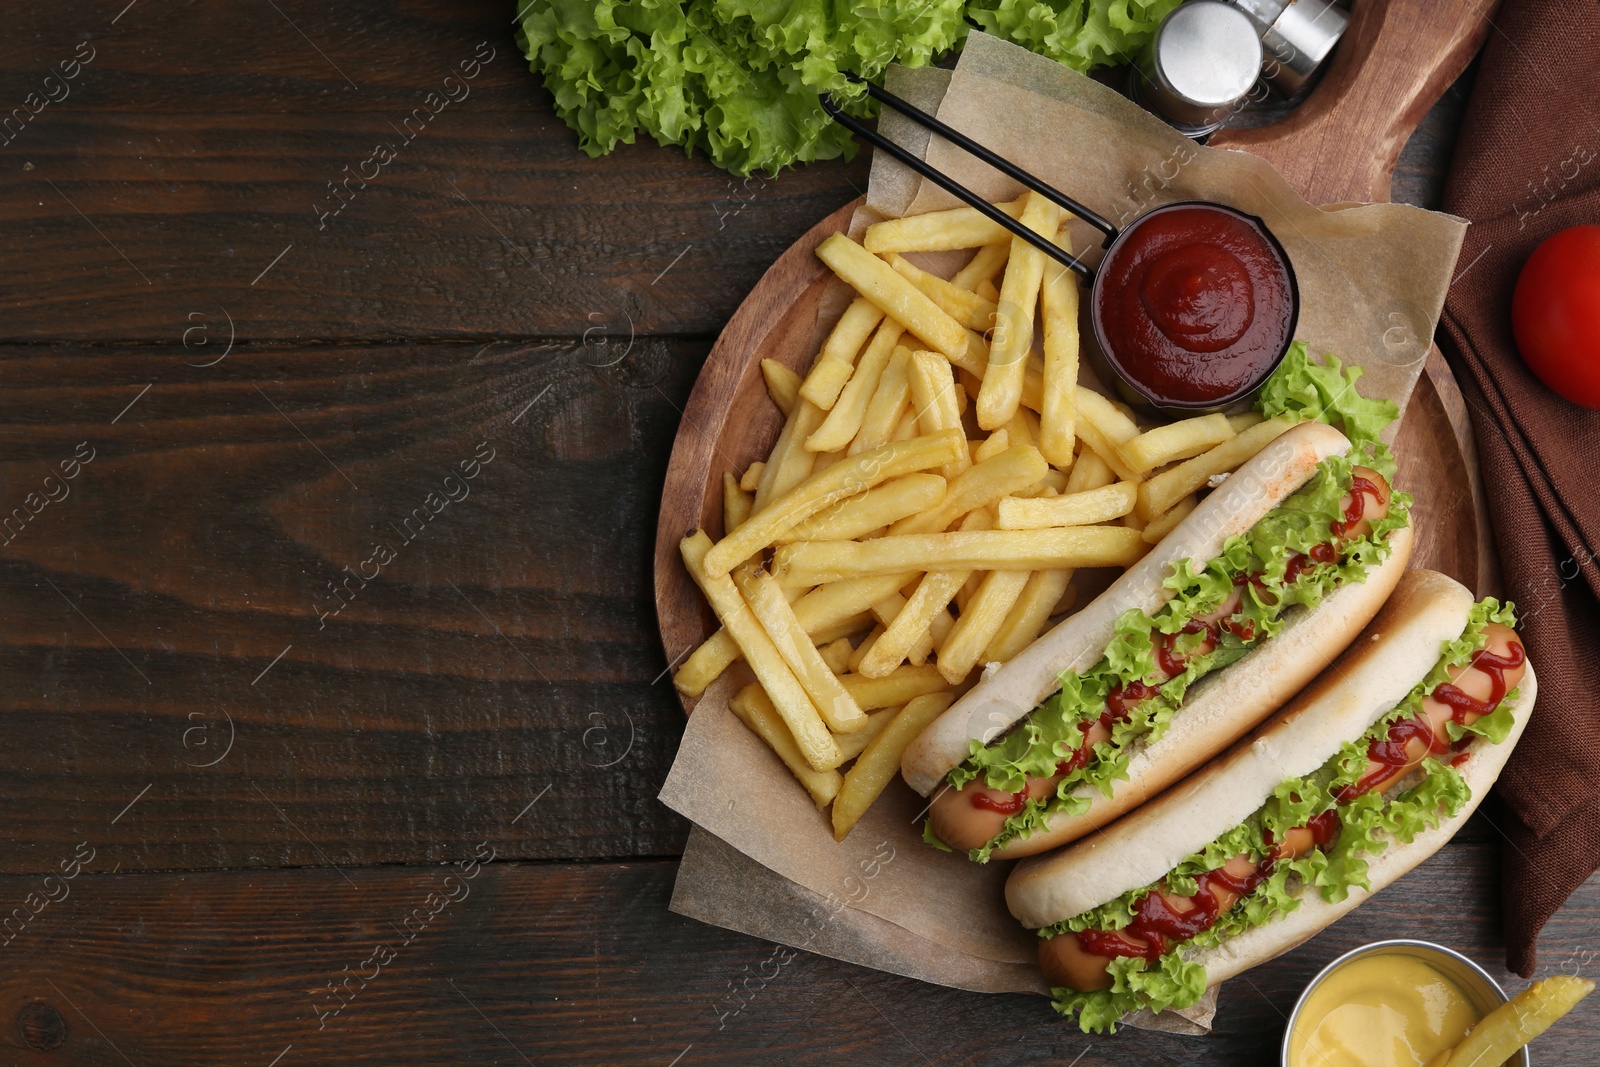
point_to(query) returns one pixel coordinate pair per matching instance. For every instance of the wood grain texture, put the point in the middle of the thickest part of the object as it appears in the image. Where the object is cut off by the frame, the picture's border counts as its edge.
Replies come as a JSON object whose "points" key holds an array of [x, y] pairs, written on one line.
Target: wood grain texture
{"points": [[172, 600], [555, 963], [199, 143], [1393, 63]]}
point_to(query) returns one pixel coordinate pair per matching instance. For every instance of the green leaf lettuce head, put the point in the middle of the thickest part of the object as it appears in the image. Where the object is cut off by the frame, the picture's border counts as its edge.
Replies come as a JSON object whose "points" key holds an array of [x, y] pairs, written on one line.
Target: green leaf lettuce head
{"points": [[739, 79], [1367, 823], [1083, 35]]}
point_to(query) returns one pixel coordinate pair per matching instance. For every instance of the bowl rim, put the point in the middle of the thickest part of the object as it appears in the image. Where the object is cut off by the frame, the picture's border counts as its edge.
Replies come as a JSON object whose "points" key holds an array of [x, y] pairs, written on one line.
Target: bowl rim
{"points": [[1187, 408], [1521, 1058]]}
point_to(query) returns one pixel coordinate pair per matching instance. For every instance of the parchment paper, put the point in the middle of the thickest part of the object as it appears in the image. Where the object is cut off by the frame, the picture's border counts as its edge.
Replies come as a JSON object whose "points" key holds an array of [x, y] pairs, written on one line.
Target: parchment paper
{"points": [[1372, 282]]}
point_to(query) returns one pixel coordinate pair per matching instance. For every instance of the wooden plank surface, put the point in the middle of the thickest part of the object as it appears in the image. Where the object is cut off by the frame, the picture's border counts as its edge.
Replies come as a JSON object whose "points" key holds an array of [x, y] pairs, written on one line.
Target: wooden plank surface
{"points": [[198, 145], [177, 599], [583, 964]]}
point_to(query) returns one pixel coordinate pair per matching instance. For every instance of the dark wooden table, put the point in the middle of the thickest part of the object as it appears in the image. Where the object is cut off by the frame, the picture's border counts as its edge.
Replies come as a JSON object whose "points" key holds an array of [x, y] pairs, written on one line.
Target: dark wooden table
{"points": [[334, 707]]}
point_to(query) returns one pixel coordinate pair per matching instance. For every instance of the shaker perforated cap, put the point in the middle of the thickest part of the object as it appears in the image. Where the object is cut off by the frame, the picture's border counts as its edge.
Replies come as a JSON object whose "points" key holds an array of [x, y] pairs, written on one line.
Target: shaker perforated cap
{"points": [[1200, 64]]}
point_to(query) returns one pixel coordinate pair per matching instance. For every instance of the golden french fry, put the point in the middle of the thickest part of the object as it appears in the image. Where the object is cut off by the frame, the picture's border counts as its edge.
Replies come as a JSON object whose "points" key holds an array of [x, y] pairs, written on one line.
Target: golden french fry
{"points": [[888, 402], [790, 463], [852, 745], [1241, 423], [783, 384], [855, 626], [1054, 483], [839, 602], [836, 654], [1164, 490], [983, 266], [825, 609], [992, 446], [842, 480], [987, 550], [1023, 429], [788, 696], [911, 626], [1088, 472], [1158, 527], [1080, 509], [978, 486], [986, 288], [879, 763], [898, 298], [980, 621], [939, 231], [755, 710], [886, 611], [772, 611], [1058, 309], [1175, 441], [963, 305], [907, 429], [844, 420], [1028, 615], [1001, 394], [1104, 427], [934, 400], [837, 359], [872, 510], [705, 664], [735, 503], [897, 687], [1503, 1031], [751, 479], [865, 647]]}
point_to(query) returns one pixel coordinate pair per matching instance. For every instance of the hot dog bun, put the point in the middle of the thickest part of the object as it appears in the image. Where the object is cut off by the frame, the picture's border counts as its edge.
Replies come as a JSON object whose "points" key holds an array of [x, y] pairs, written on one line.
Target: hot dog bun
{"points": [[1223, 704], [1009, 692], [1394, 653], [1315, 914]]}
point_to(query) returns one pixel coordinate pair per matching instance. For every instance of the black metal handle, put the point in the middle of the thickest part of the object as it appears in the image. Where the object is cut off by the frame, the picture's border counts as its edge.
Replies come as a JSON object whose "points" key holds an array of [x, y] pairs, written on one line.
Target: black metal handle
{"points": [[961, 192]]}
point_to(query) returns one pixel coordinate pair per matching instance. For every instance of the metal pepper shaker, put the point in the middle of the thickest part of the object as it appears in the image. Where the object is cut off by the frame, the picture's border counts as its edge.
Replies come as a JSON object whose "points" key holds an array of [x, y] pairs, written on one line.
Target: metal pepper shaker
{"points": [[1199, 66], [1297, 36]]}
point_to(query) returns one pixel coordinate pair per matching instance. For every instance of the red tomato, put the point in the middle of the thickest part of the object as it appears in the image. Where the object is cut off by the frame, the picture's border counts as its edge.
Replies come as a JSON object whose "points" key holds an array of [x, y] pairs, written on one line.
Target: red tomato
{"points": [[1555, 313]]}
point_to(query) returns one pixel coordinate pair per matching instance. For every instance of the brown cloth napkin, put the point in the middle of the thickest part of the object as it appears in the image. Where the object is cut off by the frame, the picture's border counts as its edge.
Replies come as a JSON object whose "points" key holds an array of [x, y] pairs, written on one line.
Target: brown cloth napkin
{"points": [[1528, 164]]}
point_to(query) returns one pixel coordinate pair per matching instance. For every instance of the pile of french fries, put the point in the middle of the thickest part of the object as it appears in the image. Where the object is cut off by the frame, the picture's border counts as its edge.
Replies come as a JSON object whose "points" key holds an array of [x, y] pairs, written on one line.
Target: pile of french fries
{"points": [[935, 486]]}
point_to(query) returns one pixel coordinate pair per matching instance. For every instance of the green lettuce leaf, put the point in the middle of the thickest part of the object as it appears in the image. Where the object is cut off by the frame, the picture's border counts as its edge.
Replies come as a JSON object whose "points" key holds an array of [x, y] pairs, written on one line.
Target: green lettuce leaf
{"points": [[1300, 389], [1083, 34]]}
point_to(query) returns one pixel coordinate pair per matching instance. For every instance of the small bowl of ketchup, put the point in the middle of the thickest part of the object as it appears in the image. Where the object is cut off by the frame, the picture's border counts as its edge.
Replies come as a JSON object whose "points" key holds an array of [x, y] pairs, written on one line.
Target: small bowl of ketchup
{"points": [[1194, 307]]}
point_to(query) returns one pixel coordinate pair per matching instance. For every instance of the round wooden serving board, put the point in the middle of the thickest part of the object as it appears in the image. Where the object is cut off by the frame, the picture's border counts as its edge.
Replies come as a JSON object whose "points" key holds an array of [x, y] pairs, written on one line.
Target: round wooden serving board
{"points": [[1339, 145]]}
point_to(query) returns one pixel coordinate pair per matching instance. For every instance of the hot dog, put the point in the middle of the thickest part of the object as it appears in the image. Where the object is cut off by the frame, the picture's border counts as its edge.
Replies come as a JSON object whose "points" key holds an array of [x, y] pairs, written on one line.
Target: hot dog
{"points": [[1242, 604], [1365, 774]]}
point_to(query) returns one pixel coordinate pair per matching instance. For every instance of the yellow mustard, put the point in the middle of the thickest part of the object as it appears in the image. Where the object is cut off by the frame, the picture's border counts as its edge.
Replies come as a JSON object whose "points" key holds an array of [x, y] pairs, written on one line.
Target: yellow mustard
{"points": [[1380, 1011]]}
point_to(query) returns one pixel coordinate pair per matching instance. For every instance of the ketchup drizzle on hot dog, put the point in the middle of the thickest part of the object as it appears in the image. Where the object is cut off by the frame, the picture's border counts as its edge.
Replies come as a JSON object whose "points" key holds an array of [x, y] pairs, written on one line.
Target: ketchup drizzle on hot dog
{"points": [[1355, 509], [1008, 806], [1461, 705], [1389, 752], [1156, 922]]}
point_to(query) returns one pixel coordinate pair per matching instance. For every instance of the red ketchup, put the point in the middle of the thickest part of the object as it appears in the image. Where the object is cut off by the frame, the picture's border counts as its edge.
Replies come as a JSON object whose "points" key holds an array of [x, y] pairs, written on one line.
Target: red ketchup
{"points": [[1008, 806], [1194, 304], [1157, 923], [1354, 510], [1389, 752]]}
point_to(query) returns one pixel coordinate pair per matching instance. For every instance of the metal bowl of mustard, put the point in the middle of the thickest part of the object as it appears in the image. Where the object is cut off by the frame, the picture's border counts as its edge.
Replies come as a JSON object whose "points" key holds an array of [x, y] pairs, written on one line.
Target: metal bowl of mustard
{"points": [[1390, 1004]]}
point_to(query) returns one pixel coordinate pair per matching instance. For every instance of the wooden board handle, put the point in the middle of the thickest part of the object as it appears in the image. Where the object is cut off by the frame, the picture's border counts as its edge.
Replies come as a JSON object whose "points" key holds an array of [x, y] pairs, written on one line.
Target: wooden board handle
{"points": [[1393, 63]]}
